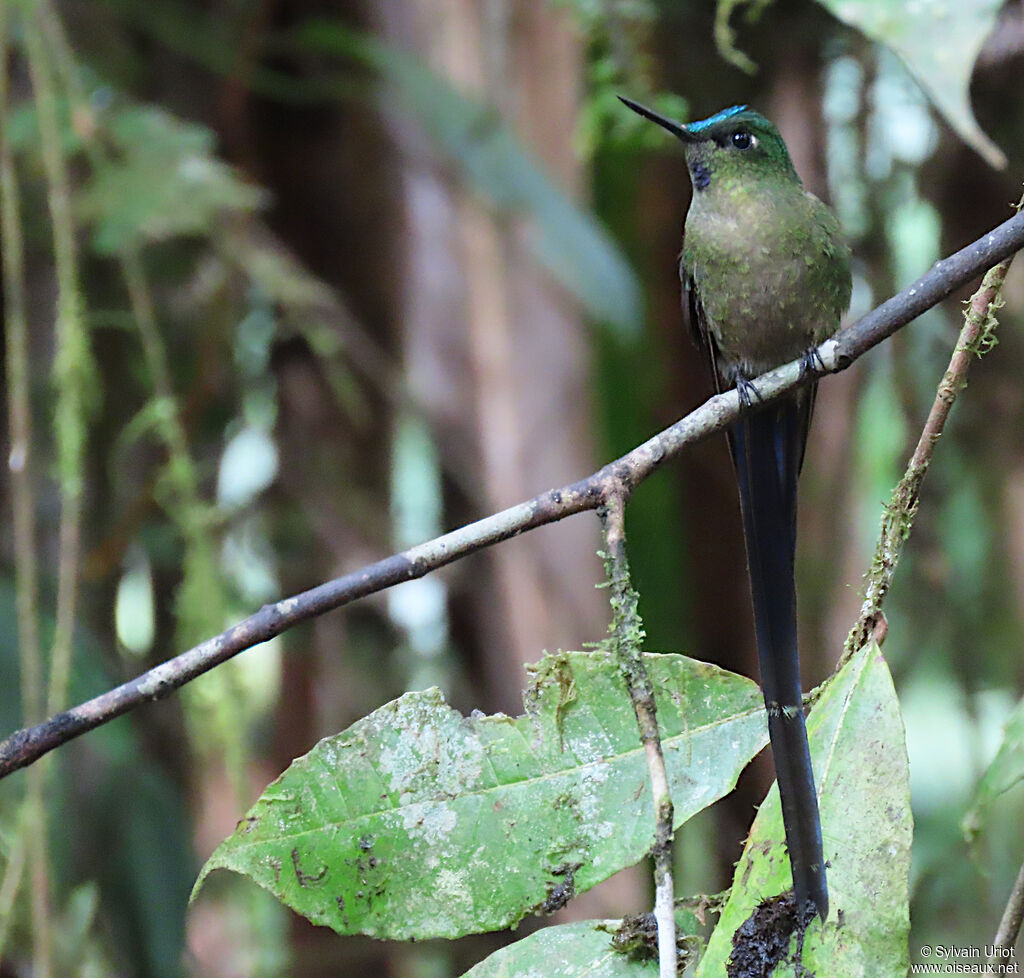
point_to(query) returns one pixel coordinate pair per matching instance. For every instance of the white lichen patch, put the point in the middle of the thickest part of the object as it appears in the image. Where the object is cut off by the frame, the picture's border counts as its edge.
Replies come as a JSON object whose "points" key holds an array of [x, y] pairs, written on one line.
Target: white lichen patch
{"points": [[595, 745], [431, 822], [593, 801], [428, 750], [452, 888]]}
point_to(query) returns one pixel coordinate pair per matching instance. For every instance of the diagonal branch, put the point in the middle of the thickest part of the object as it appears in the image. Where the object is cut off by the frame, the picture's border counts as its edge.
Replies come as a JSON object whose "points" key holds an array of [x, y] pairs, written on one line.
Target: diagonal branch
{"points": [[976, 337], [27, 745]]}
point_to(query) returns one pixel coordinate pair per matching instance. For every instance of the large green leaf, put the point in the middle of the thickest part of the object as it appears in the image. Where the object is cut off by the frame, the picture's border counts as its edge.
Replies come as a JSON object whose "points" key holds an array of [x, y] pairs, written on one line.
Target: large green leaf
{"points": [[1006, 770], [858, 747], [939, 41], [418, 822]]}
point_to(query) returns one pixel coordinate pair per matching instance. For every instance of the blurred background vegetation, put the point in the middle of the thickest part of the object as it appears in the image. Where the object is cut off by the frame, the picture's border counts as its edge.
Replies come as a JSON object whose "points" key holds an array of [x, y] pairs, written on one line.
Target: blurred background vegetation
{"points": [[289, 285]]}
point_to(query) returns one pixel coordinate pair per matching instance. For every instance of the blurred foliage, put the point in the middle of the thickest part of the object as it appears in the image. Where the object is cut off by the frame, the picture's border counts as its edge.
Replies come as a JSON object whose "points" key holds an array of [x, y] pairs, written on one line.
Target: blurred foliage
{"points": [[123, 857], [1005, 771], [619, 60], [159, 179], [190, 300], [567, 240], [940, 43]]}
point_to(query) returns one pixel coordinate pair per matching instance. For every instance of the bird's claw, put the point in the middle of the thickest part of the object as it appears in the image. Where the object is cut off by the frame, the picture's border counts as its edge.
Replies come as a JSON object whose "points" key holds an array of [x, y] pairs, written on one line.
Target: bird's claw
{"points": [[811, 362], [747, 391]]}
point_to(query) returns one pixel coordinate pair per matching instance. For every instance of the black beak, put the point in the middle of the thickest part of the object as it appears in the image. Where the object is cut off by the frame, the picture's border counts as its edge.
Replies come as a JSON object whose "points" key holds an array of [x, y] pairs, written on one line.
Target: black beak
{"points": [[676, 128]]}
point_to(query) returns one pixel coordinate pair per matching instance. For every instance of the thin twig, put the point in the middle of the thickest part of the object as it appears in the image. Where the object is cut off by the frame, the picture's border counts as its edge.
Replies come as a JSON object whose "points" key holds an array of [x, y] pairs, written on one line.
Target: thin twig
{"points": [[976, 337], [627, 641], [27, 745], [1009, 929]]}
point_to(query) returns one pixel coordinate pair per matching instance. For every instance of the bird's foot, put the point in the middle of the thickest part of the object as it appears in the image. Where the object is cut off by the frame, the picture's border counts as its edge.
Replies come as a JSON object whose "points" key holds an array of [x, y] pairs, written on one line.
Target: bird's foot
{"points": [[811, 362], [747, 391]]}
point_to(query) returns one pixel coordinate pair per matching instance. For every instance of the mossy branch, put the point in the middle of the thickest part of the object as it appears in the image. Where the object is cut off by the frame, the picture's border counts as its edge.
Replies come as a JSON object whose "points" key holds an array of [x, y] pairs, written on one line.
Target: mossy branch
{"points": [[627, 635], [976, 338], [73, 366]]}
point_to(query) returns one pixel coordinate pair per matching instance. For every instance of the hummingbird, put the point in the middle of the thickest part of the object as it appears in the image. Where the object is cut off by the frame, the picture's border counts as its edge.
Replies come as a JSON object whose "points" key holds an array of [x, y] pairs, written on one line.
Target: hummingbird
{"points": [[766, 278]]}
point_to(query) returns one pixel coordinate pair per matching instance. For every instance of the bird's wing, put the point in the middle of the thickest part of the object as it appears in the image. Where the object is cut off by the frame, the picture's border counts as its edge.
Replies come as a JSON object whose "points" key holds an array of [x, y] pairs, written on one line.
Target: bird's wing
{"points": [[724, 378], [700, 332]]}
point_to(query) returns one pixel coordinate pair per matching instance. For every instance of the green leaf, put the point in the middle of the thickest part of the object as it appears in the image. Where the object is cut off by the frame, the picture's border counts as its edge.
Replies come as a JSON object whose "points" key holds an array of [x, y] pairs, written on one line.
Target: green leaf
{"points": [[566, 239], [858, 747], [1006, 770], [418, 822], [163, 180], [939, 42], [579, 950]]}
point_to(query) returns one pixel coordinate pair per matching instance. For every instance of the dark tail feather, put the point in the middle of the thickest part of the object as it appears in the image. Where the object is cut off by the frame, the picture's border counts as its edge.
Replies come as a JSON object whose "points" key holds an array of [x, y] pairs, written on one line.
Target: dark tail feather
{"points": [[767, 447]]}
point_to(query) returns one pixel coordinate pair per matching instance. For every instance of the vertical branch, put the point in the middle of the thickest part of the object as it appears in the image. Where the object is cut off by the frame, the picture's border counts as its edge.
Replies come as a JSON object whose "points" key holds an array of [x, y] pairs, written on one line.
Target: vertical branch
{"points": [[976, 337], [30, 847], [627, 638], [72, 366], [19, 416]]}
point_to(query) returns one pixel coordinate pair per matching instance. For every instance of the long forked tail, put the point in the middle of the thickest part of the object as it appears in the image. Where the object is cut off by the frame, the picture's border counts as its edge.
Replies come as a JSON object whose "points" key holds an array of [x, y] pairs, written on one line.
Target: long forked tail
{"points": [[767, 446]]}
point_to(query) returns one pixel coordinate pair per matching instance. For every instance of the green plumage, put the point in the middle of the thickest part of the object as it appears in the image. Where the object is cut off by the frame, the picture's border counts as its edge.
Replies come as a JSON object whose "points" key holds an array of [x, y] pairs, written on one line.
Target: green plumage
{"points": [[764, 254]]}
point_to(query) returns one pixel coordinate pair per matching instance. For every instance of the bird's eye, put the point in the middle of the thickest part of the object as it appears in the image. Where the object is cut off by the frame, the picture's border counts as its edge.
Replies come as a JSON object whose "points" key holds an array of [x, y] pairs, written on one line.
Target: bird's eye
{"points": [[742, 140]]}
